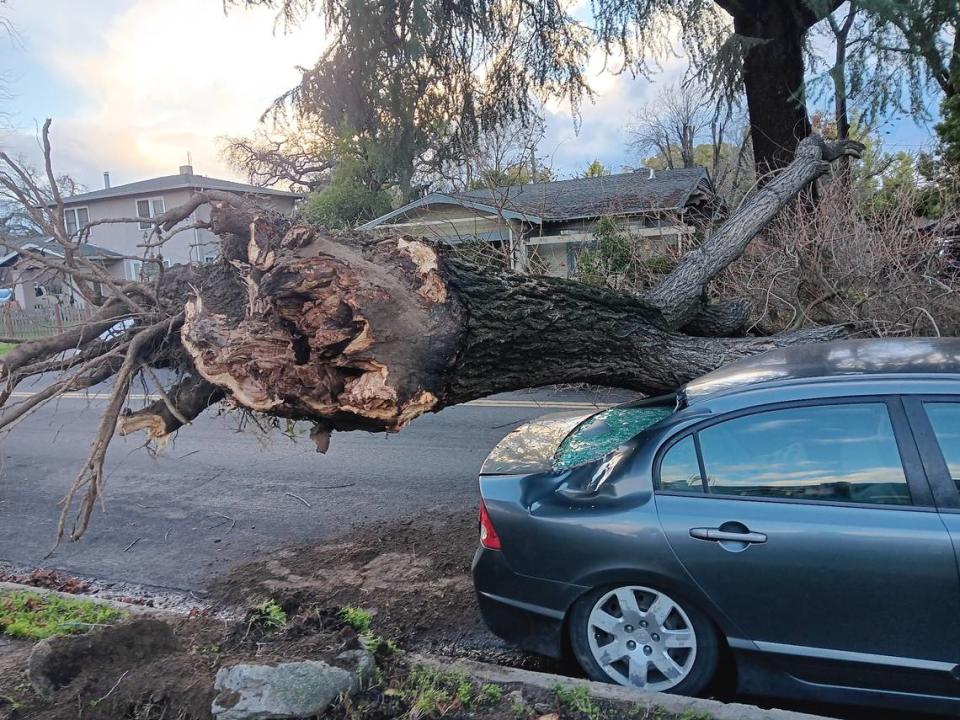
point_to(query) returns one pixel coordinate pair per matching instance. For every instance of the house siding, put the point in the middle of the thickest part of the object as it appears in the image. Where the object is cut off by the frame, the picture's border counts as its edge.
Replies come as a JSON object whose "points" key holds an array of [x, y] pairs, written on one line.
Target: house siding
{"points": [[453, 224], [126, 238]]}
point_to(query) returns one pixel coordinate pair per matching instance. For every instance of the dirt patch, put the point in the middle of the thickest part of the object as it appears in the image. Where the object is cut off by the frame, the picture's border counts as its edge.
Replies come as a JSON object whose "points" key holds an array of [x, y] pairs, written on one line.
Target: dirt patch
{"points": [[412, 575]]}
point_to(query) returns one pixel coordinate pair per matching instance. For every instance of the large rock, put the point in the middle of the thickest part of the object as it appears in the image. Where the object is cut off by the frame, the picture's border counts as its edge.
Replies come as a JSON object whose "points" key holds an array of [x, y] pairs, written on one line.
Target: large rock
{"points": [[287, 690]]}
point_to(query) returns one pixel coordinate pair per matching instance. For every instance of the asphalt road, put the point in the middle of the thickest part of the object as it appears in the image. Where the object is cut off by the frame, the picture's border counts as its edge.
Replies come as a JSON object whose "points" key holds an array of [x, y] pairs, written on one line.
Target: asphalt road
{"points": [[179, 507]]}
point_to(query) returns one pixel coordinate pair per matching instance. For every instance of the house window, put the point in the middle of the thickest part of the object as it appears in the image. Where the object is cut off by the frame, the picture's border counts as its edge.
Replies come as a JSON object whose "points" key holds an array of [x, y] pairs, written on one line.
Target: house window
{"points": [[139, 270], [133, 269], [75, 218], [149, 208]]}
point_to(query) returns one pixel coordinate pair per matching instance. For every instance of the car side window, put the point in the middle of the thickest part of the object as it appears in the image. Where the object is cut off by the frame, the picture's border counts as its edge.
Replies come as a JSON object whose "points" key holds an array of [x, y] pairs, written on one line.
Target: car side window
{"points": [[945, 419], [836, 453], [679, 469]]}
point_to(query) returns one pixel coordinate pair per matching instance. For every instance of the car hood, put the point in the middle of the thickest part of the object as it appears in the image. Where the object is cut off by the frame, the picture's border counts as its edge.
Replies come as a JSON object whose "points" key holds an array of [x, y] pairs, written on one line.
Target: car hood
{"points": [[562, 441], [531, 447]]}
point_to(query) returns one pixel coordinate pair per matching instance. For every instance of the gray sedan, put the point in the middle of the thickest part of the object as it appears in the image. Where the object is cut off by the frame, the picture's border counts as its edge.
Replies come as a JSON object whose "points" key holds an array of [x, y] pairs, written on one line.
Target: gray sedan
{"points": [[793, 516]]}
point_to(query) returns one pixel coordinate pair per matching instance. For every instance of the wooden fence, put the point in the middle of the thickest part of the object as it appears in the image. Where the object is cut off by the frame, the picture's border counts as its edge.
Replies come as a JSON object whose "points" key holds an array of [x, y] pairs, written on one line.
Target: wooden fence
{"points": [[41, 321]]}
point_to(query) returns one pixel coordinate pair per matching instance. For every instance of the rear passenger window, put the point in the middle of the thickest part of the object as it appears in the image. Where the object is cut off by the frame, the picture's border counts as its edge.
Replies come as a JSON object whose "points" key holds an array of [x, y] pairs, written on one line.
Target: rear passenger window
{"points": [[945, 418], [679, 470], [837, 453]]}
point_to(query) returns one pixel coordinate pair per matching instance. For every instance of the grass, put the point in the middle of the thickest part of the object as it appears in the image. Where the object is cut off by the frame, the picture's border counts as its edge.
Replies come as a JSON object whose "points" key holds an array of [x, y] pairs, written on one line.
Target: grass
{"points": [[34, 617], [577, 699], [6, 347], [360, 620], [435, 693]]}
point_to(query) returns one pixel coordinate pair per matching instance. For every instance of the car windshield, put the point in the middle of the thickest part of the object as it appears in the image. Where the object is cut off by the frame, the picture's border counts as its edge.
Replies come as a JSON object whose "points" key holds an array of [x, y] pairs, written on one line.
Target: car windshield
{"points": [[604, 432]]}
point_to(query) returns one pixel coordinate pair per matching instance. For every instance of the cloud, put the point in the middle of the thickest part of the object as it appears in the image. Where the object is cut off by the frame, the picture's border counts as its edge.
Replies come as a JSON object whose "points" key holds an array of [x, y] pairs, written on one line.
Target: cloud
{"points": [[159, 80], [602, 129]]}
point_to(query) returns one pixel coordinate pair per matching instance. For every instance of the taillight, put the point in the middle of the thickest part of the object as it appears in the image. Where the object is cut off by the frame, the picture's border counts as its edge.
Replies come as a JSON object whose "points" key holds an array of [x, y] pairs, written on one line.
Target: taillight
{"points": [[488, 535]]}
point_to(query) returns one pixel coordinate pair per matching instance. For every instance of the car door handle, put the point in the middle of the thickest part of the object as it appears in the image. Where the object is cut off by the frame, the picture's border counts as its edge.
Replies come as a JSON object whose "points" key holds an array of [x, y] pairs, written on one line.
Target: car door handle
{"points": [[718, 535]]}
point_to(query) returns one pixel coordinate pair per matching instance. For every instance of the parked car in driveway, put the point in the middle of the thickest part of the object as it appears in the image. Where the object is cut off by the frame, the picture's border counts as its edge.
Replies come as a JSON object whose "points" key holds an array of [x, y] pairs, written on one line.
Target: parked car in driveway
{"points": [[796, 514]]}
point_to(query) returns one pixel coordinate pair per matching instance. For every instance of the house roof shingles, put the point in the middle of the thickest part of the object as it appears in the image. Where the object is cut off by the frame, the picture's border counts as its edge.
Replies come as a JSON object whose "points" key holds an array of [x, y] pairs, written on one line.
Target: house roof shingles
{"points": [[181, 181], [632, 193], [9, 249], [625, 193]]}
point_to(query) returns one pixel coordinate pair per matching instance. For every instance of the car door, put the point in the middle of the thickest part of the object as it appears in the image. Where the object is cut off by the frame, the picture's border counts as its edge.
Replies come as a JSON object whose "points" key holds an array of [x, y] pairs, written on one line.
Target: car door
{"points": [[935, 422], [813, 529]]}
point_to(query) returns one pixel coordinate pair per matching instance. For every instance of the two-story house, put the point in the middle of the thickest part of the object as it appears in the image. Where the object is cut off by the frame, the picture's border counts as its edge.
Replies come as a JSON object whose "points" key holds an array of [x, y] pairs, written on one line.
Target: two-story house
{"points": [[112, 245]]}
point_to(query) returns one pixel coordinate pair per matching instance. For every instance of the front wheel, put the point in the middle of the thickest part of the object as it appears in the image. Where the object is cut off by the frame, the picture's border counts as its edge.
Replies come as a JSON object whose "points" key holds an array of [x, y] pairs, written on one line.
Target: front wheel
{"points": [[641, 637]]}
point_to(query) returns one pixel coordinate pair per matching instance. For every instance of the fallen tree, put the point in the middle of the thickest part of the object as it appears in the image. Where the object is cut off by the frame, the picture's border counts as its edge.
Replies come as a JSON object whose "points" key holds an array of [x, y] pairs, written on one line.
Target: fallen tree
{"points": [[352, 331]]}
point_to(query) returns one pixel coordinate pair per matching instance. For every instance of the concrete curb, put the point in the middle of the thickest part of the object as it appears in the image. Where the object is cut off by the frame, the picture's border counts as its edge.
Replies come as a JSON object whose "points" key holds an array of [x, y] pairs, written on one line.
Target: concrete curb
{"points": [[141, 610], [615, 693]]}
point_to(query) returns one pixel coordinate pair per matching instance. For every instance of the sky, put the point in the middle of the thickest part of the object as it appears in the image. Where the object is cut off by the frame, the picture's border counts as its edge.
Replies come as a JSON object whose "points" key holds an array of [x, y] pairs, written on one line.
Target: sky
{"points": [[133, 86]]}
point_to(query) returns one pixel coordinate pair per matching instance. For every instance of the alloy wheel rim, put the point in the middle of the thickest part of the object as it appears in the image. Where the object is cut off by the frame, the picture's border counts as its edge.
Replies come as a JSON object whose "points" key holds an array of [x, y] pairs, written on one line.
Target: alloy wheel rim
{"points": [[642, 637]]}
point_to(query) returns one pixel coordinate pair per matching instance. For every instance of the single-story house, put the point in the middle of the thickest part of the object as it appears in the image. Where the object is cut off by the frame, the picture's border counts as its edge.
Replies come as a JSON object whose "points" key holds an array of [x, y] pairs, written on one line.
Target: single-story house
{"points": [[36, 285], [553, 220]]}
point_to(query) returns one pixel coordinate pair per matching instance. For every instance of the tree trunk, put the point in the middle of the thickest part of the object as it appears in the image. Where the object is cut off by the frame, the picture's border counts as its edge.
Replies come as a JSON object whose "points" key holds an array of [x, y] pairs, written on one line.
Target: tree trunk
{"points": [[773, 77], [353, 333]]}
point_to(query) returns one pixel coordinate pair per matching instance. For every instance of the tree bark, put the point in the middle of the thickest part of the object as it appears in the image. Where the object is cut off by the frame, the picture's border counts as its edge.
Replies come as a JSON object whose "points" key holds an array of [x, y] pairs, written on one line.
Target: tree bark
{"points": [[773, 78], [680, 297], [773, 73]]}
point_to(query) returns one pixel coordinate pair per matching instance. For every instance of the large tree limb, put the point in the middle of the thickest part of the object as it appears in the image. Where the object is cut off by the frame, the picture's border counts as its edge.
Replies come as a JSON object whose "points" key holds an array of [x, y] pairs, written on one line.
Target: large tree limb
{"points": [[355, 334], [680, 296], [723, 319]]}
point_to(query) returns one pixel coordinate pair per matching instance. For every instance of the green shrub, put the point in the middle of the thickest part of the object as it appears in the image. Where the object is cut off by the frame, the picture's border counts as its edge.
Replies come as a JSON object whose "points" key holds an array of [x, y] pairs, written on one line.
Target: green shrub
{"points": [[577, 699], [268, 615], [434, 693], [357, 618]]}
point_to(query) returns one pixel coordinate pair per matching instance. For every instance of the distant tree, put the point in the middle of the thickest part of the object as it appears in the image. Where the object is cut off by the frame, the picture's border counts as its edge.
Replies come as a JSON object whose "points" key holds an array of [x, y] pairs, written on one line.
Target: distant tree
{"points": [[925, 34], [512, 175], [595, 169], [504, 156], [949, 131], [865, 78], [673, 123], [684, 128], [298, 153]]}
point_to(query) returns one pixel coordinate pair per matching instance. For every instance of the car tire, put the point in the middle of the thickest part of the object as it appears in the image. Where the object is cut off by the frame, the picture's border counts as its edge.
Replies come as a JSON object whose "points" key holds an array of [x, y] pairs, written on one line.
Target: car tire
{"points": [[646, 648]]}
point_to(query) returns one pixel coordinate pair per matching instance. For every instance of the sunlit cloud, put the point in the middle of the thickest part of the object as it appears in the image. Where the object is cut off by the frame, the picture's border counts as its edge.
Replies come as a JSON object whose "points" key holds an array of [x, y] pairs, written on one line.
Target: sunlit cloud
{"points": [[163, 80]]}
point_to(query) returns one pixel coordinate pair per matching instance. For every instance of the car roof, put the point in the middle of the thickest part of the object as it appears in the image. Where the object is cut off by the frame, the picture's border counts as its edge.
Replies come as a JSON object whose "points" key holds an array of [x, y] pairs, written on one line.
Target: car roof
{"points": [[822, 361]]}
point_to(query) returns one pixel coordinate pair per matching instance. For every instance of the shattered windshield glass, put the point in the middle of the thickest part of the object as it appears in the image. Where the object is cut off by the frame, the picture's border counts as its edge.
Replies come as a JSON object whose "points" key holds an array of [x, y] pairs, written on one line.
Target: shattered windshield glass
{"points": [[604, 432]]}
